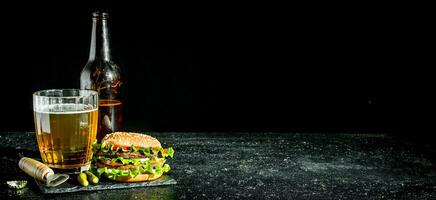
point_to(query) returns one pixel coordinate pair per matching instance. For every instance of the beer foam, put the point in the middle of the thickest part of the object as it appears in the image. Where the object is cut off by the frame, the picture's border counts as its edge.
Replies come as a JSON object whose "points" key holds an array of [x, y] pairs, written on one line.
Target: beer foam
{"points": [[65, 108]]}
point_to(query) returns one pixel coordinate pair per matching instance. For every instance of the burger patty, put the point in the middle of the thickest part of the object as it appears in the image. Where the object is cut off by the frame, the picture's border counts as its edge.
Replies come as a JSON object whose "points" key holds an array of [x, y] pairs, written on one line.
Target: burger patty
{"points": [[126, 155], [109, 164], [120, 166]]}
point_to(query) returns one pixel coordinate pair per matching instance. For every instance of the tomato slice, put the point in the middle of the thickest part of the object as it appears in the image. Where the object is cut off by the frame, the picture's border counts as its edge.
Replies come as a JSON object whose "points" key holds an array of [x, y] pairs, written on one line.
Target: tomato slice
{"points": [[123, 147]]}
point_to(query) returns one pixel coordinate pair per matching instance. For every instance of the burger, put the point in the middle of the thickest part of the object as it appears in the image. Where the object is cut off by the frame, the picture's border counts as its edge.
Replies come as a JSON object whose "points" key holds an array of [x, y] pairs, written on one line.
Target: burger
{"points": [[130, 157]]}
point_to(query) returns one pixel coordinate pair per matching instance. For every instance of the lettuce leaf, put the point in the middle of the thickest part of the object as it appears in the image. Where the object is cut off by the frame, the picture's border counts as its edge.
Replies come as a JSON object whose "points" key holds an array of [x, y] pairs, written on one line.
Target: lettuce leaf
{"points": [[95, 147], [169, 152], [144, 151], [157, 151], [147, 169], [166, 168]]}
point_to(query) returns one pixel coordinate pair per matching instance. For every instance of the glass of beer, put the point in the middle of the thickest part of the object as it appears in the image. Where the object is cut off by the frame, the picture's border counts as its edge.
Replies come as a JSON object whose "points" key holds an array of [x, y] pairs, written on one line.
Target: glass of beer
{"points": [[66, 127]]}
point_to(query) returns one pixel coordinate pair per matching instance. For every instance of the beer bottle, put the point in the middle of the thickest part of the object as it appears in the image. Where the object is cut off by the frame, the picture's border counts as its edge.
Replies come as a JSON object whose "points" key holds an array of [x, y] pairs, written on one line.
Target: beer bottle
{"points": [[103, 75]]}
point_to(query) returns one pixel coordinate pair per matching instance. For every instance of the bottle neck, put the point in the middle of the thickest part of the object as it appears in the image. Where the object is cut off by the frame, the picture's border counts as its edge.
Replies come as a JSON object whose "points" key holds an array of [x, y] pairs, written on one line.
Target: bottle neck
{"points": [[99, 48]]}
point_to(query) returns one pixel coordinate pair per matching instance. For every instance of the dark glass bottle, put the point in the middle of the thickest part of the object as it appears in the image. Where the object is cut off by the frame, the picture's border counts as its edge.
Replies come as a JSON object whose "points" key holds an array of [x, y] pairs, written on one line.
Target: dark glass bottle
{"points": [[103, 75]]}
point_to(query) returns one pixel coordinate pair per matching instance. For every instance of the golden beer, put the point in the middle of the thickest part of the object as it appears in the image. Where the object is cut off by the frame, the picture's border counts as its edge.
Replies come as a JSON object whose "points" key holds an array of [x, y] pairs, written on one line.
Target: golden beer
{"points": [[65, 133]]}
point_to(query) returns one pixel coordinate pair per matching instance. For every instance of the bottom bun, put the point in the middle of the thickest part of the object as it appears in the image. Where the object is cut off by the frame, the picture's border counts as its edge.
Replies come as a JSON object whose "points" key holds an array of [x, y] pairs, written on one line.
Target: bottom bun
{"points": [[139, 178]]}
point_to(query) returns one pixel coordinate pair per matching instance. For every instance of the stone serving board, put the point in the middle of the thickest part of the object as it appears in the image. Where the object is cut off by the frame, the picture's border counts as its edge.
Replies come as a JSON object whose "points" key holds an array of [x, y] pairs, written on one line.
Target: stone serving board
{"points": [[71, 185]]}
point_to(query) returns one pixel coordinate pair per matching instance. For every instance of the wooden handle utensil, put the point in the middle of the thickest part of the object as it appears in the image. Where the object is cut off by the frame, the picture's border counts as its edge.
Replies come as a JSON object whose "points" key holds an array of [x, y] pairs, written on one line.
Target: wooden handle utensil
{"points": [[41, 172], [35, 168]]}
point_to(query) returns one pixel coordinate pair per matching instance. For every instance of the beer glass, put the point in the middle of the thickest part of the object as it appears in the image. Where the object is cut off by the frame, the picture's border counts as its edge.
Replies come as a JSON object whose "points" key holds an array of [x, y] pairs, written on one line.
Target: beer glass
{"points": [[66, 127]]}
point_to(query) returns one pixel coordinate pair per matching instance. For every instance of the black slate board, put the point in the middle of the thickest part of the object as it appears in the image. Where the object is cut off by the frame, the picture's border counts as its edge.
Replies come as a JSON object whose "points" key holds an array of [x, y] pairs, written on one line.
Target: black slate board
{"points": [[72, 186]]}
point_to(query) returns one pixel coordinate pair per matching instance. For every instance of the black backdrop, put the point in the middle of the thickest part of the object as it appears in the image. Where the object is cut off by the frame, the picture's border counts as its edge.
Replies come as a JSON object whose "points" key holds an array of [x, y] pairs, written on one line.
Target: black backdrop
{"points": [[231, 67]]}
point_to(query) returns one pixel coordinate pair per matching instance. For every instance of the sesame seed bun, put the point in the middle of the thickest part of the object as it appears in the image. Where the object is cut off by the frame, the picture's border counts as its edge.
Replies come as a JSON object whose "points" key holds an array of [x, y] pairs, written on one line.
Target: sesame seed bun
{"points": [[130, 138]]}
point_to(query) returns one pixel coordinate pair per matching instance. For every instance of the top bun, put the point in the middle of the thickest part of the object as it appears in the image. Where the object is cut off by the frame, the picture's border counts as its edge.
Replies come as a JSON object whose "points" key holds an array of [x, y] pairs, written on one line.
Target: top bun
{"points": [[129, 139]]}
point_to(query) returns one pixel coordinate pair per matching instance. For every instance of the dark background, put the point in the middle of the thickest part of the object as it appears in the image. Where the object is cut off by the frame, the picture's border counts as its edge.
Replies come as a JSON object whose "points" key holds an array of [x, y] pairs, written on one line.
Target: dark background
{"points": [[227, 67]]}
